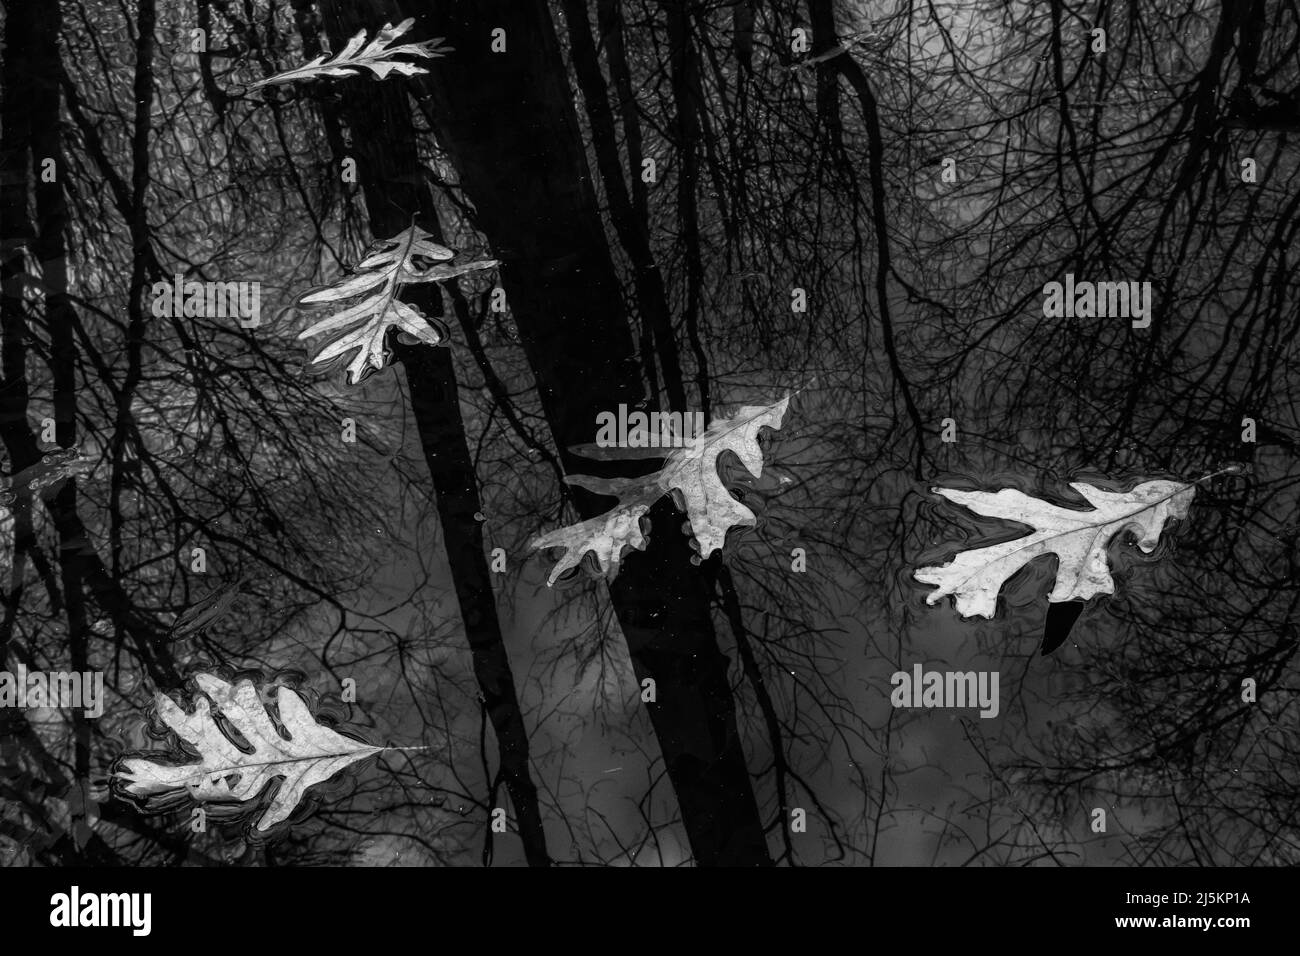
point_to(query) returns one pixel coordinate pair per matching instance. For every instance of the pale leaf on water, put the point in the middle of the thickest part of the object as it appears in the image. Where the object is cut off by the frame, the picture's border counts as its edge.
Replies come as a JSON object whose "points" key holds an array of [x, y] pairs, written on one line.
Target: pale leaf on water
{"points": [[1078, 538], [691, 471], [309, 755], [411, 257]]}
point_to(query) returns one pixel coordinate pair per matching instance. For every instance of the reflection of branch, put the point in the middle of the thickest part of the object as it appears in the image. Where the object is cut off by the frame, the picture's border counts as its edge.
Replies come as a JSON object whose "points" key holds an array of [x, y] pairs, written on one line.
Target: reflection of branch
{"points": [[851, 71], [496, 387]]}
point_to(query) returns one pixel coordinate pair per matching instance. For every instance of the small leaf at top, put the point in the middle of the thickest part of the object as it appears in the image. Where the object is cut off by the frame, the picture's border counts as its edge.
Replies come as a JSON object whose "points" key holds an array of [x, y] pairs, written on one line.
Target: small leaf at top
{"points": [[377, 56]]}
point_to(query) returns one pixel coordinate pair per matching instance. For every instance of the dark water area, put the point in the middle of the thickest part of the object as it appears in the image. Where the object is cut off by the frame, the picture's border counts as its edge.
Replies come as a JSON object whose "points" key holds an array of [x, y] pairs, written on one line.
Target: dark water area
{"points": [[831, 230]]}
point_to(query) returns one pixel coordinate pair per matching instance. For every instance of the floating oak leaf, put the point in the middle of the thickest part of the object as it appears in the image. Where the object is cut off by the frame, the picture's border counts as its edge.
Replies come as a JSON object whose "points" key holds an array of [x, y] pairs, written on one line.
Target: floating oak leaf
{"points": [[604, 535], [1078, 539], [306, 755], [409, 258], [690, 471], [377, 56]]}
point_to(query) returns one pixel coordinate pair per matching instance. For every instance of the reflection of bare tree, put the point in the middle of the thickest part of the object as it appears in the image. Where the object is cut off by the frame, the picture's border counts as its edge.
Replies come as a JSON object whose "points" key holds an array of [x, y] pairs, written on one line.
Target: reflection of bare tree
{"points": [[203, 435], [776, 169], [1148, 187]]}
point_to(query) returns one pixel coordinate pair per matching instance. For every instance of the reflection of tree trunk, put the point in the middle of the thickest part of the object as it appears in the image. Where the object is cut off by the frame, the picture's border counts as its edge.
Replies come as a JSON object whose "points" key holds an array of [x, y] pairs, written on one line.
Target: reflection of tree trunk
{"points": [[508, 122], [383, 144], [51, 221], [822, 19], [19, 442], [609, 19], [652, 299], [15, 171], [684, 75], [31, 136], [742, 32]]}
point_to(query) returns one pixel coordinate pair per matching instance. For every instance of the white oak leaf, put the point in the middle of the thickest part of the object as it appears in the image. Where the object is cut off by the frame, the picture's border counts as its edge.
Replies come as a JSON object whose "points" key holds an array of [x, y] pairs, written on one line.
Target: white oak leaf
{"points": [[309, 755], [607, 535], [377, 56], [1078, 538], [691, 471], [411, 257]]}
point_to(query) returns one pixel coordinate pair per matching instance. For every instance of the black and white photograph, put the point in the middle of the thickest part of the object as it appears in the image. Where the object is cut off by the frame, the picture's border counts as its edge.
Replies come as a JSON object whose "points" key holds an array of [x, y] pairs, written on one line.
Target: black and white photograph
{"points": [[514, 434]]}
